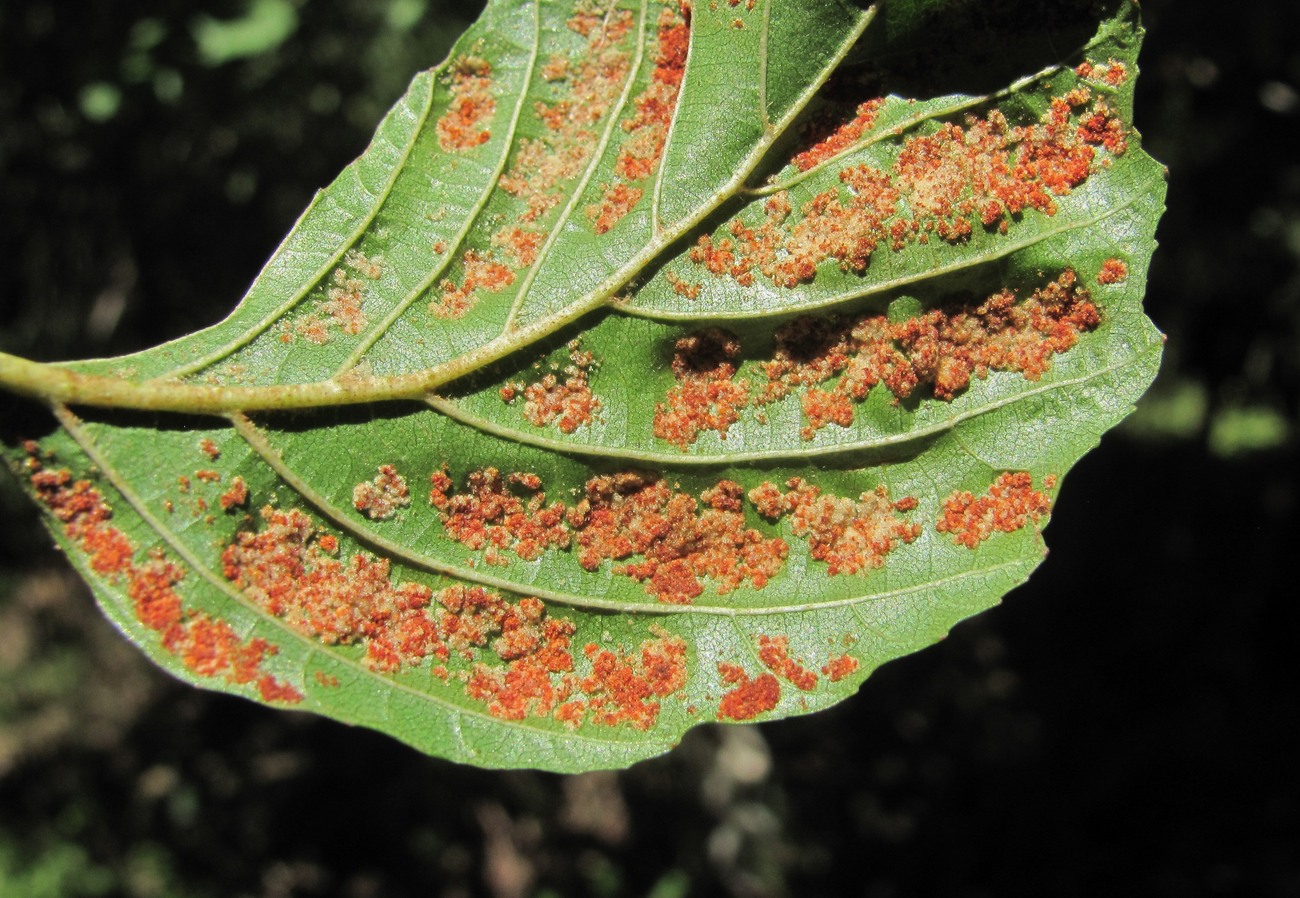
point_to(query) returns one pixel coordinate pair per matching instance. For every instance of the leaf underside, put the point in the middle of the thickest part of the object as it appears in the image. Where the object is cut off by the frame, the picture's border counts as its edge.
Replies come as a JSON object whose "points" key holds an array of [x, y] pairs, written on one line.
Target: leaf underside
{"points": [[654, 366]]}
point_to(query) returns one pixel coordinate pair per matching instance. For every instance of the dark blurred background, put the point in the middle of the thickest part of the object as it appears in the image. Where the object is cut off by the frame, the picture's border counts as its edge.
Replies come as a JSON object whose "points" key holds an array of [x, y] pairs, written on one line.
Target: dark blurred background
{"points": [[1124, 724]]}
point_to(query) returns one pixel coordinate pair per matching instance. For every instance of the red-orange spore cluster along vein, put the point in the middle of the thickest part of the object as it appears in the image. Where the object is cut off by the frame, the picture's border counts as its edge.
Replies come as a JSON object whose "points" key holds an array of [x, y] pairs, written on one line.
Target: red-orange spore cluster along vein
{"points": [[343, 305], [850, 535], [206, 646], [1010, 504], [834, 362], [463, 126], [620, 517], [636, 514], [625, 688], [541, 165], [942, 349], [288, 569], [647, 130], [984, 173], [829, 140], [706, 396], [774, 652], [500, 513], [379, 499], [561, 396], [748, 697]]}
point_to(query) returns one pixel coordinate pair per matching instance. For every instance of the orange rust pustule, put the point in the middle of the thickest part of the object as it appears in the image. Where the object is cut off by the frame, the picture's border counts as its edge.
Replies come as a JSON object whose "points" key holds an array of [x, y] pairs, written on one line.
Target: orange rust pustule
{"points": [[562, 397], [462, 126], [1010, 504], [380, 498], [621, 517], [647, 129], [749, 697], [590, 84], [982, 174], [839, 667], [706, 396], [500, 513], [774, 652], [206, 646], [942, 349], [1113, 271], [480, 271], [636, 514], [285, 570], [829, 139], [625, 688], [849, 535], [236, 495]]}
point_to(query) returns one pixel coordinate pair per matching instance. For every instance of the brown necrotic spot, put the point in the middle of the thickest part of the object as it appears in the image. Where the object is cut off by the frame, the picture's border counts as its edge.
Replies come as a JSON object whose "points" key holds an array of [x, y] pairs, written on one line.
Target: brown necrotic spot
{"points": [[1010, 503], [463, 126]]}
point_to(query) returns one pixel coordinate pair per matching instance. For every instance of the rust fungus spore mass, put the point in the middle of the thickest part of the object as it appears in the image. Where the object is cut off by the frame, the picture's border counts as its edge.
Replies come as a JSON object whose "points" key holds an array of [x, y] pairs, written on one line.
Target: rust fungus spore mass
{"points": [[849, 535], [833, 362], [984, 173], [620, 517], [463, 126], [749, 697], [1010, 504], [561, 396], [206, 646]]}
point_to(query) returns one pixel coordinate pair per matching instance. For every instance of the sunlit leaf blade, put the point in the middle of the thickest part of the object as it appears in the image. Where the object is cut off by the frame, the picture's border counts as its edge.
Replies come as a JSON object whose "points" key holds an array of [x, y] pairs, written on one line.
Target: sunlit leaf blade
{"points": [[654, 366]]}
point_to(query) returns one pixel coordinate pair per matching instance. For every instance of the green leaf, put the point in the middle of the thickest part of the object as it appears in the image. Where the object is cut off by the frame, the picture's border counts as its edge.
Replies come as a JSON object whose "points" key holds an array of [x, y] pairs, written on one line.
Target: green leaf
{"points": [[650, 368]]}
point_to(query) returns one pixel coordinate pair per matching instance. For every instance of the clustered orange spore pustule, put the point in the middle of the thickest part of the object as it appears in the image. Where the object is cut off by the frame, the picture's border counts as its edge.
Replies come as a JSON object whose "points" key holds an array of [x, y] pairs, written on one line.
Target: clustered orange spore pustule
{"points": [[849, 535], [236, 495], [749, 697], [207, 647], [638, 514], [568, 403], [647, 129], [626, 688], [1113, 73], [380, 498], [839, 667], [706, 396], [1113, 271], [829, 139], [287, 568], [774, 652], [942, 349], [463, 126], [500, 513], [984, 173], [588, 86], [1010, 504], [344, 298], [479, 271], [209, 448]]}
